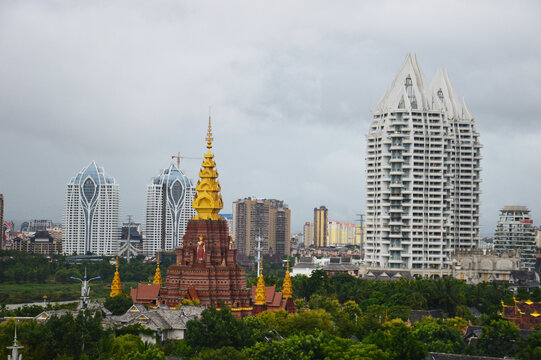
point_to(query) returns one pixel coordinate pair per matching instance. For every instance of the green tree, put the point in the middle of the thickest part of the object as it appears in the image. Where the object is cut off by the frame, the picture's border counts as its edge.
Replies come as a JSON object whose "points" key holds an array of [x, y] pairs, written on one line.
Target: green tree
{"points": [[347, 318], [119, 304], [148, 354], [29, 333], [343, 349], [124, 345], [274, 320], [309, 322], [531, 347], [295, 347], [438, 337], [397, 340], [499, 338], [216, 329], [228, 352]]}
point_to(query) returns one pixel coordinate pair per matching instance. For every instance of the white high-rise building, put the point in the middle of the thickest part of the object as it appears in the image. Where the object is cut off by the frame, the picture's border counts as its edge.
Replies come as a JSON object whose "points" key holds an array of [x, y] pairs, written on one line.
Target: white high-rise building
{"points": [[423, 174], [168, 210], [91, 213]]}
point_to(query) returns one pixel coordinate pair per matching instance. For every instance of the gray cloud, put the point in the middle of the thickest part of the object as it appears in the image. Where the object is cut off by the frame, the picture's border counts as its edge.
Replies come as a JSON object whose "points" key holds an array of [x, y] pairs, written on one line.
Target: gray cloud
{"points": [[291, 87]]}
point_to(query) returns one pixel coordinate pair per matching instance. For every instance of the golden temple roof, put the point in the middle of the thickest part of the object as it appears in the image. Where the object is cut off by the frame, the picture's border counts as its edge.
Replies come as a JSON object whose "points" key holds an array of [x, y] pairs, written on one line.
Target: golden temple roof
{"points": [[116, 285], [208, 200]]}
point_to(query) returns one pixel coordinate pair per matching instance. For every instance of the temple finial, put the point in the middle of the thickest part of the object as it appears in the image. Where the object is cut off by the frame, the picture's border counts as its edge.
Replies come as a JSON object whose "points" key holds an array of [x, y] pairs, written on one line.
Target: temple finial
{"points": [[287, 287], [260, 293], [208, 200], [209, 134], [158, 274], [116, 285]]}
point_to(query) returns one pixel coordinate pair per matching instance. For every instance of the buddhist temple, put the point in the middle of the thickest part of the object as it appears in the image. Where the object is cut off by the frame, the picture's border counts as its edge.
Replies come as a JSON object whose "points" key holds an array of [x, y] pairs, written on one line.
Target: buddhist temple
{"points": [[268, 299], [116, 285], [525, 314], [206, 267]]}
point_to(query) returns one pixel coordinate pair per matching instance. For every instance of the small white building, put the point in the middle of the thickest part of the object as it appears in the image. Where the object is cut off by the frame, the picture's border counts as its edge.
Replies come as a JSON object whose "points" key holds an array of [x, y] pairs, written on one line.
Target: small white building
{"points": [[305, 266]]}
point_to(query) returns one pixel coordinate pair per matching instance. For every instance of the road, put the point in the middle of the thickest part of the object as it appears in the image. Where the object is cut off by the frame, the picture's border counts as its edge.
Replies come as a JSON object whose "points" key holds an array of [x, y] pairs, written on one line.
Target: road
{"points": [[16, 306]]}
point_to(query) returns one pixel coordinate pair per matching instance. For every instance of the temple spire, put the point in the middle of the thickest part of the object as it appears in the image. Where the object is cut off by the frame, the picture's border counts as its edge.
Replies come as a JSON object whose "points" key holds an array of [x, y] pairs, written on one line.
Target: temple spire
{"points": [[208, 200], [260, 295], [158, 274], [116, 285], [287, 287]]}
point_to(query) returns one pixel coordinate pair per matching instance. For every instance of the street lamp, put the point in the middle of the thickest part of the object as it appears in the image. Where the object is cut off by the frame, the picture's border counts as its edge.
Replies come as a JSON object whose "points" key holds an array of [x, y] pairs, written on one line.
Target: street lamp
{"points": [[85, 289]]}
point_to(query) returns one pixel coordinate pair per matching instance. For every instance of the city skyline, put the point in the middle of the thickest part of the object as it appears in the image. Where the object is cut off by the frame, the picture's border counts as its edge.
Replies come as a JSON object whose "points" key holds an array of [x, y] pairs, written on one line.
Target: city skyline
{"points": [[297, 90]]}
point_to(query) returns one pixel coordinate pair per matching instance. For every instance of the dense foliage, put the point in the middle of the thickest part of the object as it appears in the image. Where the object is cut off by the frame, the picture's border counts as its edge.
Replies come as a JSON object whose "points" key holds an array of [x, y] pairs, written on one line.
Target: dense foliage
{"points": [[339, 317], [322, 334], [350, 318], [27, 277], [452, 296], [68, 337]]}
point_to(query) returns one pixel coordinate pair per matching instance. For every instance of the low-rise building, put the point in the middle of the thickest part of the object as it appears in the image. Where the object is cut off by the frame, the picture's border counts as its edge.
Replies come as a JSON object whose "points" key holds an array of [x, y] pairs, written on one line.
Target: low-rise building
{"points": [[304, 266], [41, 243], [167, 323], [341, 265], [515, 231], [475, 267]]}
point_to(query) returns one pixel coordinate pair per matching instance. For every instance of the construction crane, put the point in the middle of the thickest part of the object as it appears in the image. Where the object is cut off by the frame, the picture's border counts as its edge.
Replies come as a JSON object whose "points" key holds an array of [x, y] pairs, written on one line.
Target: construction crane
{"points": [[178, 157]]}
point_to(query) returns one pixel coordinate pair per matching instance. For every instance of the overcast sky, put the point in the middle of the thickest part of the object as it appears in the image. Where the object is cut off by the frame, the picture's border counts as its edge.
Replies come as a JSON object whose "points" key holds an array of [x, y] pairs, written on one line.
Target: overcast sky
{"points": [[291, 87]]}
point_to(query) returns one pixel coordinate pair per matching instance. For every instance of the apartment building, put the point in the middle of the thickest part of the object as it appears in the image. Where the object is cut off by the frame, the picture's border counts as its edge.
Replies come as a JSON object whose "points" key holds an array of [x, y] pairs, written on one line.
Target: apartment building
{"points": [[422, 174]]}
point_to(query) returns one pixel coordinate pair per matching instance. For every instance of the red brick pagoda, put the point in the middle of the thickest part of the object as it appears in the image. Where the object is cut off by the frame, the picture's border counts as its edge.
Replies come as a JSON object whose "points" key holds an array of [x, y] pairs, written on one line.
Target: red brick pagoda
{"points": [[206, 268]]}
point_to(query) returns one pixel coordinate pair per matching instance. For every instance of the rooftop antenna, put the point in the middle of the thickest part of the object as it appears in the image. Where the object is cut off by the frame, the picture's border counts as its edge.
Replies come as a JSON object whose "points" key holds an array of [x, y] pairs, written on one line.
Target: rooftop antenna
{"points": [[259, 240]]}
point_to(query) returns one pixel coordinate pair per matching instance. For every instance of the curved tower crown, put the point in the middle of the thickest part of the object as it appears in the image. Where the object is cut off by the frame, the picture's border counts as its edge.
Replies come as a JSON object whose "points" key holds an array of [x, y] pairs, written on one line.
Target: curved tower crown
{"points": [[208, 200]]}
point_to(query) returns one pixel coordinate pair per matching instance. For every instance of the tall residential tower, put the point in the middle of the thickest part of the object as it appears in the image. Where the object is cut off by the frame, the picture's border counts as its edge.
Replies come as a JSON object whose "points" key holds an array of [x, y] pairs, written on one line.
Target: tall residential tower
{"points": [[91, 213], [422, 172], [321, 220], [169, 208], [268, 218]]}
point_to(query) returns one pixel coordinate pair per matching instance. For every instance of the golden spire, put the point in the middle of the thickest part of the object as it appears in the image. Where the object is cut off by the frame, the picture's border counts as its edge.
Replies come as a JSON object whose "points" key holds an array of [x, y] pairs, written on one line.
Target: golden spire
{"points": [[158, 274], [260, 295], [116, 285], [287, 288], [208, 200]]}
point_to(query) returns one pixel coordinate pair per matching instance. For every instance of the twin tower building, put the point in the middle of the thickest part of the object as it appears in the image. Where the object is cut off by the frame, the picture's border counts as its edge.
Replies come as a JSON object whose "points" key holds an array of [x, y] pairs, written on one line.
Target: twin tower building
{"points": [[91, 217]]}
